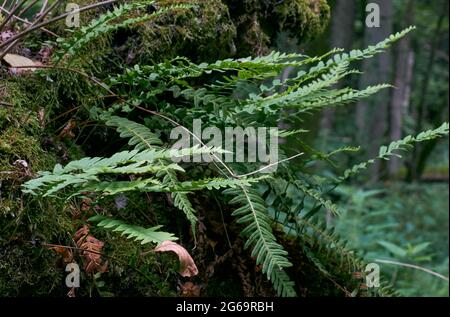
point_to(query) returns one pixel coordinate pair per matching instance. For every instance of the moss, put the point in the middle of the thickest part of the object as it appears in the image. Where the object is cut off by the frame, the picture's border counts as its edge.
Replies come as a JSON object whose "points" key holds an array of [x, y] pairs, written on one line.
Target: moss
{"points": [[29, 270], [217, 29], [204, 32], [260, 21], [304, 18]]}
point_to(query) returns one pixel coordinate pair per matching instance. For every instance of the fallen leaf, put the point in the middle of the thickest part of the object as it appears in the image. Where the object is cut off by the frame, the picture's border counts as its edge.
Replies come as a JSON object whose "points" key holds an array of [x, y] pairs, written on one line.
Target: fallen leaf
{"points": [[15, 61], [66, 253], [187, 264], [67, 131], [92, 253], [189, 289]]}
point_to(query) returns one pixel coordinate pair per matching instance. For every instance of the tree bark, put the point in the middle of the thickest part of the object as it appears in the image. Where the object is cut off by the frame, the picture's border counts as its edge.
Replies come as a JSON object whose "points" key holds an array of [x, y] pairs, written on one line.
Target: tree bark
{"points": [[341, 36], [403, 78], [376, 70], [415, 171]]}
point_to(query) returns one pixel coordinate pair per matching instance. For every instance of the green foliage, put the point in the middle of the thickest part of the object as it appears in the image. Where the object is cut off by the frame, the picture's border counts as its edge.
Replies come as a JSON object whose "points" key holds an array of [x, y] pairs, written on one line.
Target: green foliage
{"points": [[401, 222], [150, 235], [269, 254], [265, 104], [140, 136], [391, 150], [238, 92]]}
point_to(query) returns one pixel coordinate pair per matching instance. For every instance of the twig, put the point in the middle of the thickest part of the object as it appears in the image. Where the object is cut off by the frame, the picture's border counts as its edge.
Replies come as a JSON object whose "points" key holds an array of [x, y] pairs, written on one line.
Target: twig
{"points": [[45, 23], [6, 104], [270, 165], [12, 13], [44, 5], [49, 245], [18, 18], [420, 268], [28, 7]]}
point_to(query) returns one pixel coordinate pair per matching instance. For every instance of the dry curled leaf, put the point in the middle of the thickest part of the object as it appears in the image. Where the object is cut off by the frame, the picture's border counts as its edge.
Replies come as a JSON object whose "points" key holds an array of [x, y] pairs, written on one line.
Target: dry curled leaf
{"points": [[71, 293], [187, 264], [92, 255], [67, 254], [67, 131], [189, 289]]}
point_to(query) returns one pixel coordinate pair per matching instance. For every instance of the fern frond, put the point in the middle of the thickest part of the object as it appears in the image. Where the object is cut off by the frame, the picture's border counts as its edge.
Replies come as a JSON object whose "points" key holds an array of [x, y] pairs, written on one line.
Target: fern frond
{"points": [[149, 235], [331, 256], [140, 136], [269, 254], [181, 201], [328, 204], [392, 149]]}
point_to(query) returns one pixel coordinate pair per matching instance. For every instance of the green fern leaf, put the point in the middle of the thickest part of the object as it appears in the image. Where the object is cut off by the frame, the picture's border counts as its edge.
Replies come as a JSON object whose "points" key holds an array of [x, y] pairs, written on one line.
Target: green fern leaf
{"points": [[269, 254], [150, 235]]}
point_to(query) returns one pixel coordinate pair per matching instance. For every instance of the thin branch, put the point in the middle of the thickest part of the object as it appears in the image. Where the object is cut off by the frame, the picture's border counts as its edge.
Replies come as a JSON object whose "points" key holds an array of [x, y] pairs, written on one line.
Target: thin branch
{"points": [[420, 268], [13, 12], [55, 19], [44, 5], [18, 18], [270, 165], [6, 104], [42, 15]]}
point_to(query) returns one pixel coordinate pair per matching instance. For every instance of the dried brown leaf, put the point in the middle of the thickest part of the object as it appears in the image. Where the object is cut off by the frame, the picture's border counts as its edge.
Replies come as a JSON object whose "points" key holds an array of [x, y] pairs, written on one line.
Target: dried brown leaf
{"points": [[189, 289], [187, 264], [92, 253], [67, 131]]}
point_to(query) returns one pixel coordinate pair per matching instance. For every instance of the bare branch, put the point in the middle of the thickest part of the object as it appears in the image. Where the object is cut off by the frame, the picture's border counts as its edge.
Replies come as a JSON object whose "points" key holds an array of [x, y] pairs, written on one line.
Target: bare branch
{"points": [[15, 38], [18, 18], [12, 13]]}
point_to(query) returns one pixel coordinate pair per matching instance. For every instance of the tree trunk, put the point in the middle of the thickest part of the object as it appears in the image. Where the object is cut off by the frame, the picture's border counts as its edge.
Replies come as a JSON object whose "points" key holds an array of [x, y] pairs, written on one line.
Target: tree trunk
{"points": [[403, 78], [414, 171], [341, 36], [376, 70]]}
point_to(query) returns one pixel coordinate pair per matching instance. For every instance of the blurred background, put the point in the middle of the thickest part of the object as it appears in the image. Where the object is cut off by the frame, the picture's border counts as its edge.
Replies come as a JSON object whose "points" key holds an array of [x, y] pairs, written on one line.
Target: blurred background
{"points": [[399, 209]]}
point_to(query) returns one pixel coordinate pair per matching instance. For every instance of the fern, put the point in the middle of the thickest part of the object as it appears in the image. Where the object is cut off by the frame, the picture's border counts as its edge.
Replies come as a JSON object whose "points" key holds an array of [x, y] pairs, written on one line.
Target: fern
{"points": [[269, 254], [150, 235], [84, 173], [392, 149], [318, 197], [140, 136], [329, 253], [240, 92], [310, 90]]}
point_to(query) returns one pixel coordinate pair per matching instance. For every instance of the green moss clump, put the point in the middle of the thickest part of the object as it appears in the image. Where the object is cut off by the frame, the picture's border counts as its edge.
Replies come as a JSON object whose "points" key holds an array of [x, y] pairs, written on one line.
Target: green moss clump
{"points": [[303, 18], [218, 29], [204, 32], [260, 21]]}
